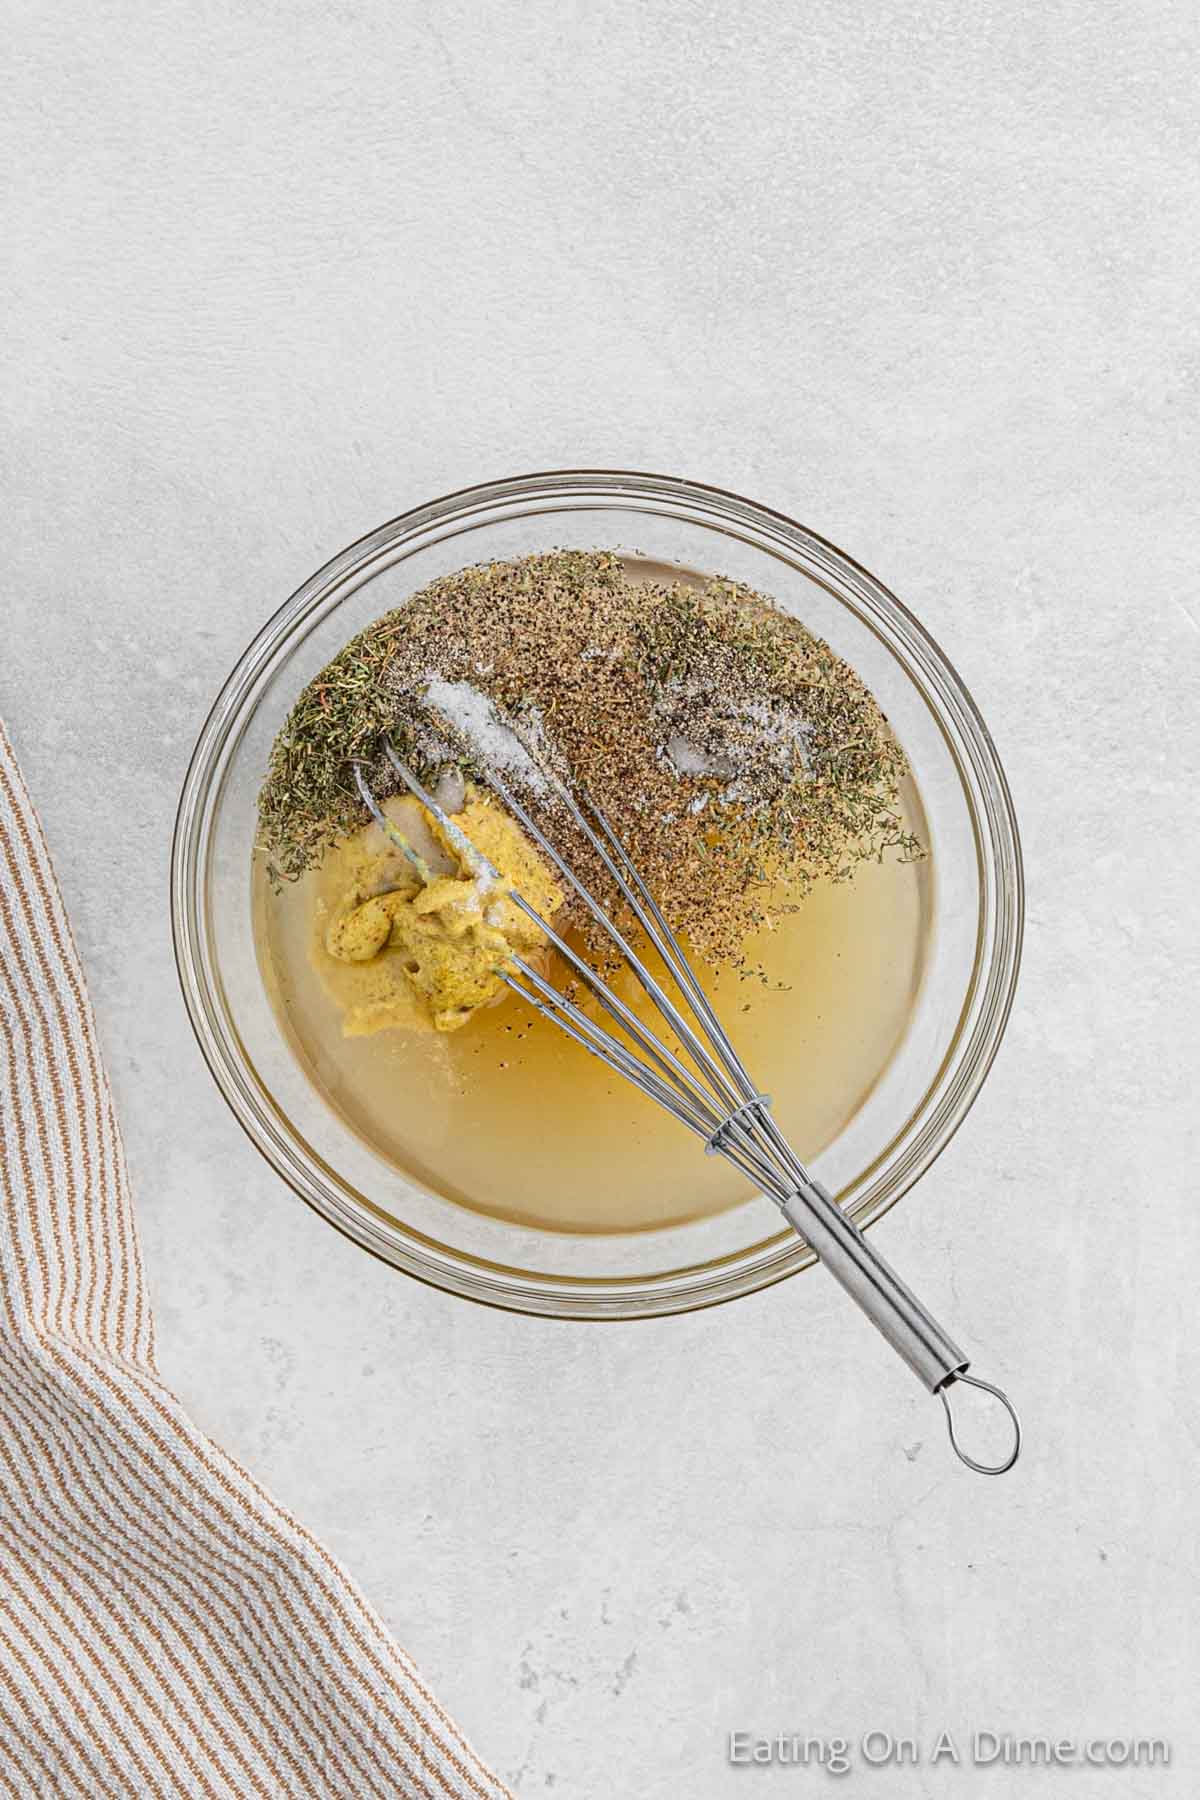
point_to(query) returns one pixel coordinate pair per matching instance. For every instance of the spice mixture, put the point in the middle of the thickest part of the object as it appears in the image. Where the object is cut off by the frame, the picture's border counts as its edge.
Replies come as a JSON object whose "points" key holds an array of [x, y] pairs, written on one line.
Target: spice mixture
{"points": [[738, 758]]}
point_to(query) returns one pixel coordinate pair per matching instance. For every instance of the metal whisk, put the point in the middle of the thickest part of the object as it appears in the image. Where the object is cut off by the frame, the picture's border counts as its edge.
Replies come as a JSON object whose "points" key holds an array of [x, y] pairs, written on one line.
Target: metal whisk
{"points": [[714, 1097]]}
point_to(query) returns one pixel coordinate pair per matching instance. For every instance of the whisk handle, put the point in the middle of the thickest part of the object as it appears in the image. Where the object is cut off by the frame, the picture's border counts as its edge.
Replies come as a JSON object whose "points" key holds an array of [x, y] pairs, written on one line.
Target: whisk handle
{"points": [[873, 1285]]}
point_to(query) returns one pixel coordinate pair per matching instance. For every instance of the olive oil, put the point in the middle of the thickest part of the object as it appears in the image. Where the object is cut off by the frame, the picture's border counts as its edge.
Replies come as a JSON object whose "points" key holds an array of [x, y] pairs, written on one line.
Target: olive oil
{"points": [[513, 1119]]}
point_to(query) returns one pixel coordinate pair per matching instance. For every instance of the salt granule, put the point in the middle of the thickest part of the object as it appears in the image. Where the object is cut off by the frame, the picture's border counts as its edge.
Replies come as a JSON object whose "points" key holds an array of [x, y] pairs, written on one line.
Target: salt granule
{"points": [[478, 722]]}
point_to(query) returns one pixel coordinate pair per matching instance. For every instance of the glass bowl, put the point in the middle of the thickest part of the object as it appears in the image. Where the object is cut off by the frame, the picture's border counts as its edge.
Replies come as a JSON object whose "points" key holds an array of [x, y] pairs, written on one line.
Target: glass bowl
{"points": [[971, 959]]}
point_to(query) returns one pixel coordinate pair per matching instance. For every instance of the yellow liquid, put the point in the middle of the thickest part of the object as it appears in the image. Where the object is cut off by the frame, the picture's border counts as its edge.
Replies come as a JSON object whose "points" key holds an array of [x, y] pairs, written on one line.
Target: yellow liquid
{"points": [[513, 1119]]}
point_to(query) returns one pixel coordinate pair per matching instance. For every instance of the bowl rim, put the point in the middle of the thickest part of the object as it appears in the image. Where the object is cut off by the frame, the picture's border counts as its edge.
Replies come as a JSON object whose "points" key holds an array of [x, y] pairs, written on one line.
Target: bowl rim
{"points": [[995, 984]]}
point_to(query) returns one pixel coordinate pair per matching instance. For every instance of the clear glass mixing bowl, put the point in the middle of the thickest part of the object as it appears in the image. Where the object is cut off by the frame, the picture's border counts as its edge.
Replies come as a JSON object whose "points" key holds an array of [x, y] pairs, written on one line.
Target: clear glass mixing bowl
{"points": [[972, 957]]}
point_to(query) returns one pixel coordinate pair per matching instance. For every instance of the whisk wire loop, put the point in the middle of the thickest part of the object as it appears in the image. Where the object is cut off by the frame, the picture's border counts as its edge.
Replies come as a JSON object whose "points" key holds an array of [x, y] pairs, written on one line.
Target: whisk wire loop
{"points": [[671, 952], [717, 1078]]}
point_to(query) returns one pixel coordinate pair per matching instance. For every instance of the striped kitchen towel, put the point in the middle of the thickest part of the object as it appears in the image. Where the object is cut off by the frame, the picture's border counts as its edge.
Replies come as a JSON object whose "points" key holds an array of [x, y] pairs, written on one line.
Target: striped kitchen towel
{"points": [[166, 1628]]}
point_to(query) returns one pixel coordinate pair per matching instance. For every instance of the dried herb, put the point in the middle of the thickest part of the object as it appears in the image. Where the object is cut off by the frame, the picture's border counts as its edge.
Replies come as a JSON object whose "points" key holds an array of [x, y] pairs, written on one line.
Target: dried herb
{"points": [[739, 758]]}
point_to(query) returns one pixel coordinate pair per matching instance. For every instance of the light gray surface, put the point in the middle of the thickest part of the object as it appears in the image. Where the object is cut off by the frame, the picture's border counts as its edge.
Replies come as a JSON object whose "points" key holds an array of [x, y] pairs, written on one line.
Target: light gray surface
{"points": [[924, 277]]}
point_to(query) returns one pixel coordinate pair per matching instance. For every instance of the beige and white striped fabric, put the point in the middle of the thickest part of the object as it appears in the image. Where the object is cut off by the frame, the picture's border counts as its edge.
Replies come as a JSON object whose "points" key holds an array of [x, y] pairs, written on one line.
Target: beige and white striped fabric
{"points": [[165, 1627]]}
